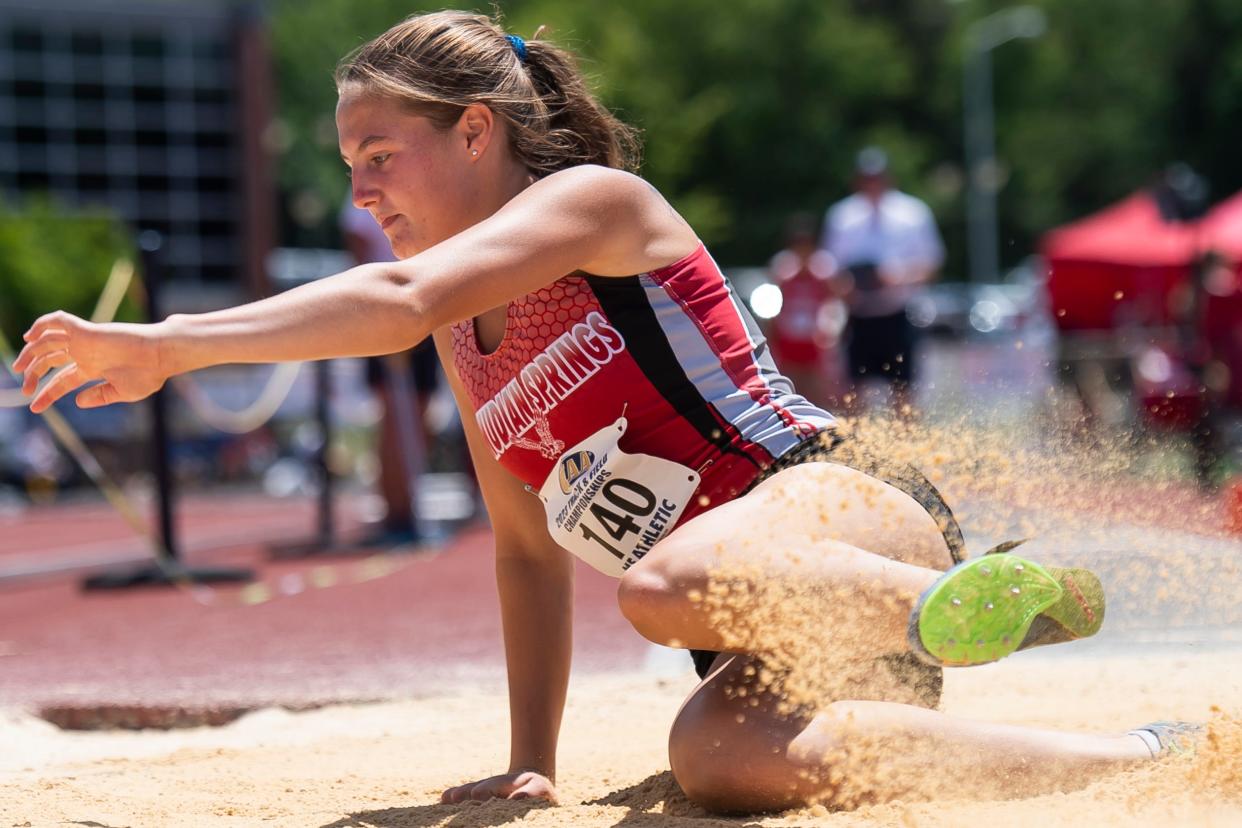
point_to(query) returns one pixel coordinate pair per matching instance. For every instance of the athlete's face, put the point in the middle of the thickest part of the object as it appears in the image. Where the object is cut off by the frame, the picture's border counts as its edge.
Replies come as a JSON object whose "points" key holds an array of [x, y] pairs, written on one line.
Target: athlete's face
{"points": [[415, 179]]}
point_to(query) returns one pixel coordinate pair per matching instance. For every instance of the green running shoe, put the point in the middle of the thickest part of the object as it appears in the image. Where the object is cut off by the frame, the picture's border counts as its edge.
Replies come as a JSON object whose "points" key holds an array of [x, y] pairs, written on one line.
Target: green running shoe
{"points": [[988, 607]]}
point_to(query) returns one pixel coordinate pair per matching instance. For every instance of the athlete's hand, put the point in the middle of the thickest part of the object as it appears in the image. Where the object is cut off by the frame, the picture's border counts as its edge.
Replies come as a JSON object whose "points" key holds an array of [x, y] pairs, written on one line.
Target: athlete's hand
{"points": [[519, 785], [125, 357]]}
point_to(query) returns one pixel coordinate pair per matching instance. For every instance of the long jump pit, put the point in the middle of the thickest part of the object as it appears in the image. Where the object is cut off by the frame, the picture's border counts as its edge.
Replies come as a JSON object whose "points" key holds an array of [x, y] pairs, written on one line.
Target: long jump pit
{"points": [[385, 764], [296, 753]]}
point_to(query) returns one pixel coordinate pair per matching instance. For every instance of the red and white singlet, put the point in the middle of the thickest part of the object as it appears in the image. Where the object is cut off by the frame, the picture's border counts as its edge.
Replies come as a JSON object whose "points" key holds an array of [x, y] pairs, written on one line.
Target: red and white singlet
{"points": [[632, 404]]}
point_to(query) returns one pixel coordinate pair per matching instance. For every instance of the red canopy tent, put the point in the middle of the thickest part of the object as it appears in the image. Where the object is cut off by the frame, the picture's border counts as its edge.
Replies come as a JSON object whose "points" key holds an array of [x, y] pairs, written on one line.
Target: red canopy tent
{"points": [[1118, 265], [1221, 228], [1121, 265]]}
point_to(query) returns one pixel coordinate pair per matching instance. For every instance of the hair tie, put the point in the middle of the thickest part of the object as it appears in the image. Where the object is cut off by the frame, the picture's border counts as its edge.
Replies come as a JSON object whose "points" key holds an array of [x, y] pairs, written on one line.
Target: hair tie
{"points": [[518, 45]]}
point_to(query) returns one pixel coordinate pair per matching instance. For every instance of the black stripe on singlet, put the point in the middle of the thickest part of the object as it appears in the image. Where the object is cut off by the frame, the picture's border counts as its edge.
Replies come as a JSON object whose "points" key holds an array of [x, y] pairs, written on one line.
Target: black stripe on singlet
{"points": [[624, 301]]}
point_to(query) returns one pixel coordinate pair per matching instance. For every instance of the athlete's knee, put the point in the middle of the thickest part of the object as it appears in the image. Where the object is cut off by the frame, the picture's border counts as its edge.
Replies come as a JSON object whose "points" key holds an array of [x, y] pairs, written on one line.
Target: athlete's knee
{"points": [[658, 593], [726, 767], [718, 785], [646, 595]]}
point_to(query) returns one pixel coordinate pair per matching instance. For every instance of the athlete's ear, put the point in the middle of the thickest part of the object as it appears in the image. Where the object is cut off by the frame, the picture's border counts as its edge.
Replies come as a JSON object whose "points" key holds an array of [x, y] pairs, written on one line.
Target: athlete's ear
{"points": [[476, 128]]}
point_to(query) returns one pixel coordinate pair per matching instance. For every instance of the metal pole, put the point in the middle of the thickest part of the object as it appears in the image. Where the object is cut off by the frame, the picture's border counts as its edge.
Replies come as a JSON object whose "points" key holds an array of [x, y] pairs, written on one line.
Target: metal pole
{"points": [[982, 179], [981, 225], [169, 569], [150, 246], [323, 416]]}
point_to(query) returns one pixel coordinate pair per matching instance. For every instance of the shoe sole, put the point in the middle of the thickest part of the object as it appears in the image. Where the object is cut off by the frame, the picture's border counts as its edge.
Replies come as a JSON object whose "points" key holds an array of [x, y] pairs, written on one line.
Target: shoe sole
{"points": [[980, 610]]}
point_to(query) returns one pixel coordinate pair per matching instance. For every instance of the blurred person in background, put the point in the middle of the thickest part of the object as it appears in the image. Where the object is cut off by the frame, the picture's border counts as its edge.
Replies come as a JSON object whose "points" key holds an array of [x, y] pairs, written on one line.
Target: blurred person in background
{"points": [[1203, 345], [887, 246], [806, 333], [367, 243]]}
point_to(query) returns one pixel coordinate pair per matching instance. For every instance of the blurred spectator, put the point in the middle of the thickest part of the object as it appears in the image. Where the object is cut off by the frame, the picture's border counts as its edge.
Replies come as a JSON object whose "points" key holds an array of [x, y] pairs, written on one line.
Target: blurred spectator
{"points": [[806, 333], [887, 246], [1212, 275], [366, 242]]}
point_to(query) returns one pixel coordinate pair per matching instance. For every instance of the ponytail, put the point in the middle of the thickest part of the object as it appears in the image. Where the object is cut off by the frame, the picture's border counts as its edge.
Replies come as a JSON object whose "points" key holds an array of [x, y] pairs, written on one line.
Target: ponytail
{"points": [[438, 64]]}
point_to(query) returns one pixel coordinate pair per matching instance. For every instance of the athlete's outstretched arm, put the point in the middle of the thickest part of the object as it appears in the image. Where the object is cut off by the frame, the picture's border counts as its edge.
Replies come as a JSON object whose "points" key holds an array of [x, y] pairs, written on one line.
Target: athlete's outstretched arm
{"points": [[587, 218], [535, 580]]}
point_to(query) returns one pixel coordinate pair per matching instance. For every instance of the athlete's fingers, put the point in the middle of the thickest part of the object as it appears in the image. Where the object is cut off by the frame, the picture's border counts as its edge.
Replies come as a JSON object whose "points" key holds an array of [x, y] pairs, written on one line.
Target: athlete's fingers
{"points": [[488, 789], [51, 340], [462, 793], [55, 319], [456, 794], [97, 396], [40, 366], [60, 385], [503, 786]]}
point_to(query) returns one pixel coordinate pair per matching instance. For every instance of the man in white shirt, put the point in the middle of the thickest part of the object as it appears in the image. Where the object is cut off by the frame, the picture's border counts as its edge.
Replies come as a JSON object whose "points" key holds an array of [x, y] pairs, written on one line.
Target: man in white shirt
{"points": [[887, 247]]}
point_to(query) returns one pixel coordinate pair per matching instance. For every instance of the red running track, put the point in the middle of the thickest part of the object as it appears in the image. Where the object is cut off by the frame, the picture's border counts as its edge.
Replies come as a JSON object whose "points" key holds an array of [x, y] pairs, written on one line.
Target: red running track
{"points": [[429, 626]]}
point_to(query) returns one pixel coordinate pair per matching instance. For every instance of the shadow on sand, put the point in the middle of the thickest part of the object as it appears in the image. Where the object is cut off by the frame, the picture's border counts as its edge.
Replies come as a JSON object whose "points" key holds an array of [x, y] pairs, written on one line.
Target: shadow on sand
{"points": [[494, 812], [655, 802]]}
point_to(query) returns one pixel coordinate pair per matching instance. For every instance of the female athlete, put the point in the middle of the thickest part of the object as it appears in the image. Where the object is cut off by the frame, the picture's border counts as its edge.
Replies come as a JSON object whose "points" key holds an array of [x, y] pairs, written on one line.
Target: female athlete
{"points": [[620, 406]]}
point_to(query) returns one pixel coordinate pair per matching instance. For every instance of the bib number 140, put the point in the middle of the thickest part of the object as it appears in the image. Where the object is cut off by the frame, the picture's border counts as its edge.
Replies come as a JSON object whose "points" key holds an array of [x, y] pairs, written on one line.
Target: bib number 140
{"points": [[632, 500]]}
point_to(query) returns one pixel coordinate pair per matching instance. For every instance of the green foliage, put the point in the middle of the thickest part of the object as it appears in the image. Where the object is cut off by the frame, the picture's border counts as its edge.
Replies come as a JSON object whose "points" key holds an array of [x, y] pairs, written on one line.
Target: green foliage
{"points": [[55, 258], [752, 109]]}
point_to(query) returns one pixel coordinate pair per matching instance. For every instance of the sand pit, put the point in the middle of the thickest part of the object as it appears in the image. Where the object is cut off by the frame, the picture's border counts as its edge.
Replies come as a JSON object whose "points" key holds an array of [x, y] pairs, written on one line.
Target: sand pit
{"points": [[385, 764]]}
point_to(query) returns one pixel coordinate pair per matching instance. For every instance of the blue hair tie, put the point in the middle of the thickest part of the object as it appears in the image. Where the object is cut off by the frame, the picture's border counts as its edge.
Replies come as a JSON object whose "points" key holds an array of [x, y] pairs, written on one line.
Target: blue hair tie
{"points": [[518, 45]]}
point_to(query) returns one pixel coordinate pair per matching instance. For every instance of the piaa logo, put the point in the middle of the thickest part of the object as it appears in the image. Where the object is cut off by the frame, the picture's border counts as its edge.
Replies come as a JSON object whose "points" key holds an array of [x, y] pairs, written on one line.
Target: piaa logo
{"points": [[574, 466]]}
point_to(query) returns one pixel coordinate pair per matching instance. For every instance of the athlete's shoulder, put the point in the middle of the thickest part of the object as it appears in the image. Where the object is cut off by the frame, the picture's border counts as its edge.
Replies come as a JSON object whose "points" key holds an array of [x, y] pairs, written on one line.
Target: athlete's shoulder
{"points": [[615, 199], [637, 229], [597, 182]]}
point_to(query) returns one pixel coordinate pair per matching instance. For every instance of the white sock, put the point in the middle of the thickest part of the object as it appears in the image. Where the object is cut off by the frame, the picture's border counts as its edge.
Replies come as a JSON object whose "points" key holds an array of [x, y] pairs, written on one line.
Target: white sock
{"points": [[1150, 739]]}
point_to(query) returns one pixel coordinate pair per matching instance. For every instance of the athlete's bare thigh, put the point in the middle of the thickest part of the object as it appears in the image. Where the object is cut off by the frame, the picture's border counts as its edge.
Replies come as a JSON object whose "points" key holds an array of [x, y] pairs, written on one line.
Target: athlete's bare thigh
{"points": [[820, 501]]}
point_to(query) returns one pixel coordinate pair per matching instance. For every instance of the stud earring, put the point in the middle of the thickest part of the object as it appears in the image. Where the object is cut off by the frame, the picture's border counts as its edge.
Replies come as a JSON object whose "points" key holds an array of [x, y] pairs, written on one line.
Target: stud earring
{"points": [[474, 152]]}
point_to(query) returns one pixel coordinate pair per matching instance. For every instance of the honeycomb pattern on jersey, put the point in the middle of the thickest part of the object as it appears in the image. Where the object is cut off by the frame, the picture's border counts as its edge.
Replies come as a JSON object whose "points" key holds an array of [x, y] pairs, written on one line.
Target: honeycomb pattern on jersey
{"points": [[534, 322]]}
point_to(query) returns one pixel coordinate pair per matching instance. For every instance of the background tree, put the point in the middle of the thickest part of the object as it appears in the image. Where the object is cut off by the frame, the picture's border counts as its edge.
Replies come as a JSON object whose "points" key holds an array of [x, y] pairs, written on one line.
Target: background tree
{"points": [[56, 257], [752, 109]]}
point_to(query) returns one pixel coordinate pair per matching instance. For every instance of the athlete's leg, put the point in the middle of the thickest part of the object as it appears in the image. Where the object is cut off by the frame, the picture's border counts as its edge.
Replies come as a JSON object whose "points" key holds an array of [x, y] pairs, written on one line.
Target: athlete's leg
{"points": [[857, 553], [736, 752]]}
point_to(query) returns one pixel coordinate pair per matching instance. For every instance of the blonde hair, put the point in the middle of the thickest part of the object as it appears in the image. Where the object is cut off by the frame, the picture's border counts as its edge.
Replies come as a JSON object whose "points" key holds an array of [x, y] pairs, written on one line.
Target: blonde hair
{"points": [[438, 64]]}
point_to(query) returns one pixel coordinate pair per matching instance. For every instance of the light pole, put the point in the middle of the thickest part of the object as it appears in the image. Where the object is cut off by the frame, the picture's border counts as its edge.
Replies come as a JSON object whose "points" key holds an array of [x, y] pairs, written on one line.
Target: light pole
{"points": [[982, 174]]}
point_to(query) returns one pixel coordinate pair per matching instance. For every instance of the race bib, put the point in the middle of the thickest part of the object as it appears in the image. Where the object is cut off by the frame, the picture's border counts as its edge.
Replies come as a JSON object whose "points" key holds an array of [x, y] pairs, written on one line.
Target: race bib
{"points": [[608, 507]]}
